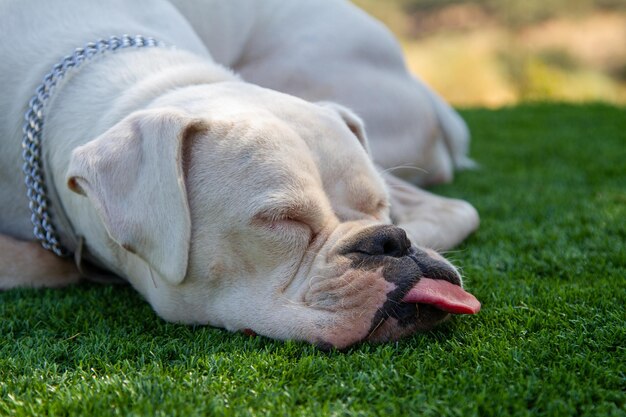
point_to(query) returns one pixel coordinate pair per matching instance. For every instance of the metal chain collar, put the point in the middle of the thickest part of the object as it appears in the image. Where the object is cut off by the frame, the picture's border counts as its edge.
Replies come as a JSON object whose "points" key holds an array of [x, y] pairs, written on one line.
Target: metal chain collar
{"points": [[39, 203]]}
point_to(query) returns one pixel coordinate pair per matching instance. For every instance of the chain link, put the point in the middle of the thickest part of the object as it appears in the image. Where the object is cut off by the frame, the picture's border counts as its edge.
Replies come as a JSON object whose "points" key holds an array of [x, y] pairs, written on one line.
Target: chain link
{"points": [[43, 228]]}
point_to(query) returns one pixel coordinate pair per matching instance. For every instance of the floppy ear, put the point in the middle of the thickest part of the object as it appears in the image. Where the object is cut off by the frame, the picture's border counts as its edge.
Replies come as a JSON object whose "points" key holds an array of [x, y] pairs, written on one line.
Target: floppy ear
{"points": [[354, 122], [133, 175]]}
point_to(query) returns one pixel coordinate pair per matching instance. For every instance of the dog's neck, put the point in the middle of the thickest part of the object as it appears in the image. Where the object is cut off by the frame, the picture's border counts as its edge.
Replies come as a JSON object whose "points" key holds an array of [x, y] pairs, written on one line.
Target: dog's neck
{"points": [[101, 98]]}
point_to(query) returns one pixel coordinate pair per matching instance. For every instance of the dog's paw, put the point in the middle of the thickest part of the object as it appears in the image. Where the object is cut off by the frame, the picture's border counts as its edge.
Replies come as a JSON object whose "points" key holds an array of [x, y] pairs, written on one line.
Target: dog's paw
{"points": [[442, 224]]}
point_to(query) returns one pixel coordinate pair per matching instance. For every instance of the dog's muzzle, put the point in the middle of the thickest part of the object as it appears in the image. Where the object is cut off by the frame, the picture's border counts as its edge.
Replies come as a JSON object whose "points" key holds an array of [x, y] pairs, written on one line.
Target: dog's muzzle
{"points": [[427, 289]]}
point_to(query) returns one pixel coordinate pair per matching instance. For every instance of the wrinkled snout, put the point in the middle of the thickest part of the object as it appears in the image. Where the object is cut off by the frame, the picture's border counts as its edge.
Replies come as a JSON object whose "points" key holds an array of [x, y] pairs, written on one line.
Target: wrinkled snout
{"points": [[427, 288]]}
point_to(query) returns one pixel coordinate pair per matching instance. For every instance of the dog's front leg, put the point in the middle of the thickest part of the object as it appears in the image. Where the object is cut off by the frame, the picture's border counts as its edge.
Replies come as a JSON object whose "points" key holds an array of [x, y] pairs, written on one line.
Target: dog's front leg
{"points": [[430, 220], [27, 264]]}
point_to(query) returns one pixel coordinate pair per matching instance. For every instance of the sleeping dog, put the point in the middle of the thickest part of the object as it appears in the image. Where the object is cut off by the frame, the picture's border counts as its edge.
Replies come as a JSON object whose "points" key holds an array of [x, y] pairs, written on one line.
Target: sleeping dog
{"points": [[214, 159]]}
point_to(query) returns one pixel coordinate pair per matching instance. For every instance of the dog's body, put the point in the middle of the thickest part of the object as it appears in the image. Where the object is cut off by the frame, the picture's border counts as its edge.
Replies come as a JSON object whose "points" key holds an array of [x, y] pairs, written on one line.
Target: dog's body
{"points": [[223, 202]]}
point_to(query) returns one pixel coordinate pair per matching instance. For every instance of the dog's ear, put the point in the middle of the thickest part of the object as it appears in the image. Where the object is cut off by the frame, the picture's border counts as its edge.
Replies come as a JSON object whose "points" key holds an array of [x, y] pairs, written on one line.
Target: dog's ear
{"points": [[133, 174], [354, 122]]}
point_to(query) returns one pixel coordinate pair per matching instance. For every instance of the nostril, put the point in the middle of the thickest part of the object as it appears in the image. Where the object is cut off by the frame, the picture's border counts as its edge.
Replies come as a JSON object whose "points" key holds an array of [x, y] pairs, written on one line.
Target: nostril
{"points": [[391, 247], [382, 240]]}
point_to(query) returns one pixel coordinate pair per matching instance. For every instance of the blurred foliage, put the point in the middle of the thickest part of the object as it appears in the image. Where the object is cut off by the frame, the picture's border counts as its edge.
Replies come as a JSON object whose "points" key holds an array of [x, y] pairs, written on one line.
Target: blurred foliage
{"points": [[540, 77], [520, 12], [500, 52]]}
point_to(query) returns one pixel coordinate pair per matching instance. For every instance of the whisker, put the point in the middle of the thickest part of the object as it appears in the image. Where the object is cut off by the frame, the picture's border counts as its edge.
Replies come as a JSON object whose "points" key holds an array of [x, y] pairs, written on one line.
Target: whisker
{"points": [[446, 252], [405, 167], [152, 277], [380, 323]]}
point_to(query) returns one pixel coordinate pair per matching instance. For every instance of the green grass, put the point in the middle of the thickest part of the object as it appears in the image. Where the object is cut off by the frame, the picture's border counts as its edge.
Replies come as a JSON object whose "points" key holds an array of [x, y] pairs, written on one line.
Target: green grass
{"points": [[548, 263]]}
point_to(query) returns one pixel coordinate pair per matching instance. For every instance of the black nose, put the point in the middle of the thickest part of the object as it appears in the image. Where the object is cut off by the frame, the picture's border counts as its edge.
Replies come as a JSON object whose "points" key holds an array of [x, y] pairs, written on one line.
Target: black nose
{"points": [[381, 240]]}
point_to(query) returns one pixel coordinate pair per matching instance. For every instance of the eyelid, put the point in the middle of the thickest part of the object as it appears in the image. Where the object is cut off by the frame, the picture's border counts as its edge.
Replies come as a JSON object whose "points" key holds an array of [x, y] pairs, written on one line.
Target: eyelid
{"points": [[381, 205], [277, 214], [273, 218], [307, 214], [283, 226]]}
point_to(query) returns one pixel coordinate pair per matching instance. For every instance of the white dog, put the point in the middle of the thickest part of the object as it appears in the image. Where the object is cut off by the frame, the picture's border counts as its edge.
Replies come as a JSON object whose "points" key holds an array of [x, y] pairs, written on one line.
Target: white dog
{"points": [[248, 200]]}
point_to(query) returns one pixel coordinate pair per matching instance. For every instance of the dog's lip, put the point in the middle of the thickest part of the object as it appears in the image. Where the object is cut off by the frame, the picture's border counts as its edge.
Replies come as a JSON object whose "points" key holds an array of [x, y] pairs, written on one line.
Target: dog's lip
{"points": [[441, 288], [443, 270], [442, 295]]}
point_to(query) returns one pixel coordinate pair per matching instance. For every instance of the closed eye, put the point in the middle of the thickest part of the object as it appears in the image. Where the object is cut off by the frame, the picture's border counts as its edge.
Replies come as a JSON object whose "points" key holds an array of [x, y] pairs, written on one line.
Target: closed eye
{"points": [[284, 229], [292, 213], [382, 205], [274, 222]]}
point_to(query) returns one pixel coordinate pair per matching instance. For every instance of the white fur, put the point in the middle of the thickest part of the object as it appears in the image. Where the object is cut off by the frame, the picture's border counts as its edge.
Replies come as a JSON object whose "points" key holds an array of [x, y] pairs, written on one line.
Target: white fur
{"points": [[221, 201]]}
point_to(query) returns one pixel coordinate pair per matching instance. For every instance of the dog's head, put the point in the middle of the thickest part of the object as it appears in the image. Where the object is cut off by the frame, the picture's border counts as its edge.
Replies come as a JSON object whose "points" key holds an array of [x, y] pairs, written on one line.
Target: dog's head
{"points": [[248, 209]]}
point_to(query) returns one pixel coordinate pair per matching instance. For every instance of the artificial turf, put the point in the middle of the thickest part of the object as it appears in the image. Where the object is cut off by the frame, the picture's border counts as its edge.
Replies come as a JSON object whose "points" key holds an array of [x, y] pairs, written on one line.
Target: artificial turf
{"points": [[548, 263]]}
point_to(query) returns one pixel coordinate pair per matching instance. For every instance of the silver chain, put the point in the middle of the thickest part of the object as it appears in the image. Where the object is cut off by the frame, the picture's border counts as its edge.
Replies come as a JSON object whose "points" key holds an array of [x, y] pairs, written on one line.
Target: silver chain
{"points": [[39, 203]]}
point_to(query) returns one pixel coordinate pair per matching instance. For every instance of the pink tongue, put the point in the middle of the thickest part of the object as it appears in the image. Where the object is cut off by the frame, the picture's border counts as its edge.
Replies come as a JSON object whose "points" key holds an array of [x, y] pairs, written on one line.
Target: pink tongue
{"points": [[444, 295]]}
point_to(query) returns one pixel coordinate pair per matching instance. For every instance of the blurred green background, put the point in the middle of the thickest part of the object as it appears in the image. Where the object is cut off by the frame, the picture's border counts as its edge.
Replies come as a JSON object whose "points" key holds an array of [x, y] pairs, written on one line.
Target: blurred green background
{"points": [[500, 52]]}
